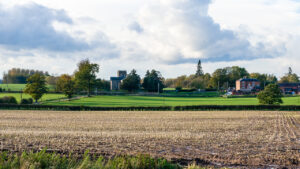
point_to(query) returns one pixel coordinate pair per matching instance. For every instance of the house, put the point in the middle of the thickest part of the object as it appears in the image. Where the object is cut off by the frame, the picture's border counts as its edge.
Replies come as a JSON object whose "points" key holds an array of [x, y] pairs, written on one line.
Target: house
{"points": [[115, 82], [247, 85], [290, 88]]}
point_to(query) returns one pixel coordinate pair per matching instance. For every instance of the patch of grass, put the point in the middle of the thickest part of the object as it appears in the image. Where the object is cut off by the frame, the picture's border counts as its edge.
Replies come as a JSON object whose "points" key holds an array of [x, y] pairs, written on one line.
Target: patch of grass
{"points": [[51, 160], [19, 87], [26, 96], [126, 101]]}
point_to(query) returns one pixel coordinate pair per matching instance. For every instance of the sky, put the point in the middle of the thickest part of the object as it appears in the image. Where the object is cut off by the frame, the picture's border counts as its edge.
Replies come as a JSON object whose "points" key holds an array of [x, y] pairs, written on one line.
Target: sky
{"points": [[166, 35]]}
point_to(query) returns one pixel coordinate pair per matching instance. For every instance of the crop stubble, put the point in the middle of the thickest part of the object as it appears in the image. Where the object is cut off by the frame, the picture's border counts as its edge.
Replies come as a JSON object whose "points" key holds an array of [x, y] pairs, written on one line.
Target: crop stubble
{"points": [[249, 138]]}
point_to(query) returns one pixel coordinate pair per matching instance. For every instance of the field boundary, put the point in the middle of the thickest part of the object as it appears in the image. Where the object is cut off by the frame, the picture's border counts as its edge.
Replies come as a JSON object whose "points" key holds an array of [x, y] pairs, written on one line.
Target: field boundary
{"points": [[158, 108]]}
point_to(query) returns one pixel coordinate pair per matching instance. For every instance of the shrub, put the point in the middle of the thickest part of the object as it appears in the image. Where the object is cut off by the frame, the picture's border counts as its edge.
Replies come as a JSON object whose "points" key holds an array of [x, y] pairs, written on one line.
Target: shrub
{"points": [[178, 88], [8, 100], [1, 90], [27, 101]]}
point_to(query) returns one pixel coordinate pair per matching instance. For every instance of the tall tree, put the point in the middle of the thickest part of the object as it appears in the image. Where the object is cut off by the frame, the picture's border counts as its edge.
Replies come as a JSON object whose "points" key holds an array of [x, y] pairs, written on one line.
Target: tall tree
{"points": [[131, 82], [290, 77], [85, 76], [152, 81], [66, 84], [36, 86], [199, 71]]}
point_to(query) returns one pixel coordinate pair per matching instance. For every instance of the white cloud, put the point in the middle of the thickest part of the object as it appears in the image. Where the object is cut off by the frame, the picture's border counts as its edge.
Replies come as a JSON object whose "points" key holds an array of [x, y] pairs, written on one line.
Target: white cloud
{"points": [[179, 31], [168, 35]]}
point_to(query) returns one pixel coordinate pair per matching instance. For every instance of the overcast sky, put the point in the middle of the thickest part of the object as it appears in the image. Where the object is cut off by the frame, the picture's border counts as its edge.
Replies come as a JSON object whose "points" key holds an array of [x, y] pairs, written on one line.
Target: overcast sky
{"points": [[166, 35]]}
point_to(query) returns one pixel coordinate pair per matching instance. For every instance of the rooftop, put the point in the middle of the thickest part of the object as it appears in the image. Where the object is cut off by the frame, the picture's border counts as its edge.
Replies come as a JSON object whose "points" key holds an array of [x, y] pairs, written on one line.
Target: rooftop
{"points": [[248, 80]]}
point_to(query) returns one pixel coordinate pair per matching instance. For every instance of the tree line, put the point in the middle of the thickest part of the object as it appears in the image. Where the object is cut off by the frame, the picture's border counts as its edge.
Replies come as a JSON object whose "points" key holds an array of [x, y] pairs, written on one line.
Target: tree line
{"points": [[19, 76], [84, 80], [224, 78]]}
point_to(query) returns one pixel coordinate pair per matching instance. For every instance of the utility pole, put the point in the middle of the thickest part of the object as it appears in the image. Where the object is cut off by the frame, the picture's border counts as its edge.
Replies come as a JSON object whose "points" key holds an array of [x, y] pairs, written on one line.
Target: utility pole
{"points": [[21, 93]]}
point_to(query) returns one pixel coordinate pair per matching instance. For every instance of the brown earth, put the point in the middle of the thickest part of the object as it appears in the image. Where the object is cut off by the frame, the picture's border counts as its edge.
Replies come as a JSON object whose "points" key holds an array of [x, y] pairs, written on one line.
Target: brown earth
{"points": [[246, 138]]}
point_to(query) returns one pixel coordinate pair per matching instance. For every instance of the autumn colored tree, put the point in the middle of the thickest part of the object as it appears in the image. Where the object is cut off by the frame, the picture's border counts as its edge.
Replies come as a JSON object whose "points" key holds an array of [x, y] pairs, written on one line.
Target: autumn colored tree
{"points": [[66, 84]]}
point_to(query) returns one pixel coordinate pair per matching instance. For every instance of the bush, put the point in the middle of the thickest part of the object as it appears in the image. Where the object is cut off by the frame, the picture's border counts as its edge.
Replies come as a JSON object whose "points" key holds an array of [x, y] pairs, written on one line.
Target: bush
{"points": [[1, 90], [8, 100], [27, 101], [178, 88]]}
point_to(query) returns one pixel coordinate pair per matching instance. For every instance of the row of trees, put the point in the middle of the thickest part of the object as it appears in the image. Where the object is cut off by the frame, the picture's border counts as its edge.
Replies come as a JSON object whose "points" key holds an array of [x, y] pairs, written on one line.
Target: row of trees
{"points": [[19, 76], [84, 79], [152, 82], [226, 78]]}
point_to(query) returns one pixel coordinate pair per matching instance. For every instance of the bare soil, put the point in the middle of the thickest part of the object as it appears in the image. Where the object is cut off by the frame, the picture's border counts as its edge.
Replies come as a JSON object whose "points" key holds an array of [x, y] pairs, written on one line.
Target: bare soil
{"points": [[241, 139]]}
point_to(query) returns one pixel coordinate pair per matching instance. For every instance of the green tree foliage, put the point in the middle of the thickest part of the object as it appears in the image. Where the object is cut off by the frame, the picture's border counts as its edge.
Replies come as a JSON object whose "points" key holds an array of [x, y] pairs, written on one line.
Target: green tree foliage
{"points": [[290, 77], [102, 84], [265, 79], [199, 71], [131, 82], [192, 81], [52, 80], [85, 76], [152, 80], [66, 85], [226, 77], [19, 76], [36, 86], [200, 82], [271, 95]]}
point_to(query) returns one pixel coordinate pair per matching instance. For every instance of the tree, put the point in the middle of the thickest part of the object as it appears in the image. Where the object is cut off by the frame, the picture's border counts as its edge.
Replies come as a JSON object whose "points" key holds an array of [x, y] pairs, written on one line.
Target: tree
{"points": [[271, 95], [66, 84], [152, 81], [36, 86], [102, 84], [19, 76], [52, 80], [85, 76], [131, 82], [265, 79], [290, 77], [226, 77], [199, 71]]}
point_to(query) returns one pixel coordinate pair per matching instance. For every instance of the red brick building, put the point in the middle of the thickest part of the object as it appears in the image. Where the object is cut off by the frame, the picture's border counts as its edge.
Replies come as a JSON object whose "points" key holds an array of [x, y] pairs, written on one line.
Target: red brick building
{"points": [[290, 88], [247, 85]]}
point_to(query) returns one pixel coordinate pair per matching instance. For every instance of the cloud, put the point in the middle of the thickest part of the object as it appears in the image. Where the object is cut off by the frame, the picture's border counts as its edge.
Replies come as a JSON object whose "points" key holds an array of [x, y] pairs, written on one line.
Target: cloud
{"points": [[181, 31], [30, 26], [135, 26]]}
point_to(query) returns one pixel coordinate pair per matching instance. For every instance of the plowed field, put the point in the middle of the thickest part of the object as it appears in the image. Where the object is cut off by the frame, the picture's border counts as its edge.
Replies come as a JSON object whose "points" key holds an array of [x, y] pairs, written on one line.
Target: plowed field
{"points": [[247, 138]]}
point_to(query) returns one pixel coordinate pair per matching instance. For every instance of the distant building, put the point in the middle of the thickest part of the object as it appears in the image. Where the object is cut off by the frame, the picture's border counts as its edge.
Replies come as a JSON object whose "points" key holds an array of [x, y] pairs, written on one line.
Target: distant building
{"points": [[115, 82], [290, 88], [247, 85]]}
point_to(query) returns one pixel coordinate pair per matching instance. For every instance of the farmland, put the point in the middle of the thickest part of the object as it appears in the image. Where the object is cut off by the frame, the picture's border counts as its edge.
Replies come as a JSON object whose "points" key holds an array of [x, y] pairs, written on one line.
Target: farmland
{"points": [[250, 138], [117, 101]]}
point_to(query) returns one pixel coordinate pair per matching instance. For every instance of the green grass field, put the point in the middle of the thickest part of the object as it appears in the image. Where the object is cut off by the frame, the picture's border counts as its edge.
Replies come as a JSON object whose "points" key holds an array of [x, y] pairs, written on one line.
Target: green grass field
{"points": [[19, 87], [125, 101], [26, 96]]}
